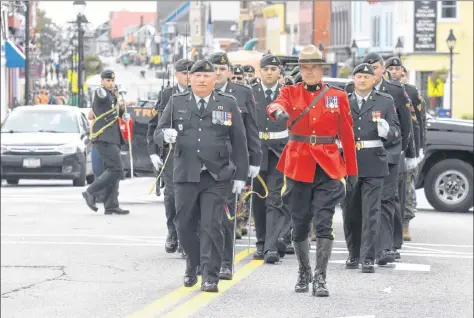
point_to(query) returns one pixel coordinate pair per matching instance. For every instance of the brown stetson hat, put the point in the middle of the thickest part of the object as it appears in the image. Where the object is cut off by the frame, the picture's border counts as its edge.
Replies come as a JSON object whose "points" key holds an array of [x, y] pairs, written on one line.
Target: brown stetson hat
{"points": [[310, 54]]}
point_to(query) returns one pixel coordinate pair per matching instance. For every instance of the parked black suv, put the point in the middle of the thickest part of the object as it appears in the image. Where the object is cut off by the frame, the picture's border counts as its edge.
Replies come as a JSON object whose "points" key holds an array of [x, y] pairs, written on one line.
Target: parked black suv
{"points": [[446, 173]]}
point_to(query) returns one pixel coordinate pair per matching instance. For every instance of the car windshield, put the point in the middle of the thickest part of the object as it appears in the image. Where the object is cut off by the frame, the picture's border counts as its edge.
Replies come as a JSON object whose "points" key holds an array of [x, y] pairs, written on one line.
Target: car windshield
{"points": [[40, 121]]}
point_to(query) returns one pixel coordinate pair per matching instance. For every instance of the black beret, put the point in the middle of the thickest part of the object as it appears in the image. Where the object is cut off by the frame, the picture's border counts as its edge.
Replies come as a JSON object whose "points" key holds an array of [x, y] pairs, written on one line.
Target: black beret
{"points": [[372, 57], [202, 66], [107, 74], [183, 65], [393, 61], [404, 69], [235, 65], [269, 59], [248, 69], [238, 70], [295, 71], [364, 68], [219, 58]]}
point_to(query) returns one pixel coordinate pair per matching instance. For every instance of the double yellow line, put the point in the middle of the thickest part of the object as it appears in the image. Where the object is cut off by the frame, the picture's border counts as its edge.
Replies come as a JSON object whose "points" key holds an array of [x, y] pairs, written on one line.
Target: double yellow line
{"points": [[200, 300]]}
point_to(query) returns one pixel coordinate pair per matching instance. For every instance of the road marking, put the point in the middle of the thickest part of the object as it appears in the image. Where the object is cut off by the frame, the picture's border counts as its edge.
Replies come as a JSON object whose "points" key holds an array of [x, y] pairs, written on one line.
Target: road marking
{"points": [[397, 266], [201, 300], [440, 245], [433, 250], [358, 317], [166, 302]]}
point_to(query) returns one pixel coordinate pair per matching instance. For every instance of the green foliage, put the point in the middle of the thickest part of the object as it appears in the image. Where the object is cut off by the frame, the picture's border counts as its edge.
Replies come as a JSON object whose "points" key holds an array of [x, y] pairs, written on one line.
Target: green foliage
{"points": [[93, 65], [344, 72]]}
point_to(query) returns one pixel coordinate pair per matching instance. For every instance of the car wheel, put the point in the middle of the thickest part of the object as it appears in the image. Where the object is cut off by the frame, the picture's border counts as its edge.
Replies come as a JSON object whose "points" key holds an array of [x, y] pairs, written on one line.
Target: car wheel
{"points": [[13, 181], [81, 180], [90, 179], [449, 186]]}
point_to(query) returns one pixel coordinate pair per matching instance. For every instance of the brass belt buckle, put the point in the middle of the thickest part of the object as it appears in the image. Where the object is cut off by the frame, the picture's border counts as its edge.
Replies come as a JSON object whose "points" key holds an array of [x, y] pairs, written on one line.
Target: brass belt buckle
{"points": [[358, 145], [266, 136], [312, 140]]}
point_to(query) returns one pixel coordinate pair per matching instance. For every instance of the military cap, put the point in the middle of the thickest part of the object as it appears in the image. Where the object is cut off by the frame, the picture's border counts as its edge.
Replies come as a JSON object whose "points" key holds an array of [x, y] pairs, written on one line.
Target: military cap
{"points": [[219, 58], [269, 60], [238, 70], [202, 66], [183, 65], [248, 68], [235, 65], [372, 57], [404, 69], [295, 71], [107, 74], [310, 54], [364, 68], [393, 61]]}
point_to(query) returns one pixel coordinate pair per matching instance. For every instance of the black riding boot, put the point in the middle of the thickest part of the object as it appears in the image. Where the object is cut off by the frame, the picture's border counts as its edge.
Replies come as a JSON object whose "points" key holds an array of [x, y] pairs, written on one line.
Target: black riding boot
{"points": [[304, 271], [323, 253]]}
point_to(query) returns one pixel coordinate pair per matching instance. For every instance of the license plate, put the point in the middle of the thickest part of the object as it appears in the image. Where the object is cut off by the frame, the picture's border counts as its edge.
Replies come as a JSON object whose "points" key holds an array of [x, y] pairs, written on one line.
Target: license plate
{"points": [[31, 163]]}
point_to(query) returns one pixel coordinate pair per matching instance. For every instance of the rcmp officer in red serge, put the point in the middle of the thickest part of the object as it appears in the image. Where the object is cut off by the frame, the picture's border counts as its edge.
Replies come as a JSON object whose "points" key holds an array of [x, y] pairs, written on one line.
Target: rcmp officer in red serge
{"points": [[375, 122], [108, 145], [246, 103], [312, 164], [159, 152], [270, 215], [203, 126], [394, 154]]}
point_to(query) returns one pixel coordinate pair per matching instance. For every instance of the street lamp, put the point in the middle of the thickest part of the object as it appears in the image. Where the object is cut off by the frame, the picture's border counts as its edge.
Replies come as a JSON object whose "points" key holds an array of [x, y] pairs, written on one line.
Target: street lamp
{"points": [[451, 42], [399, 47], [79, 8], [354, 49]]}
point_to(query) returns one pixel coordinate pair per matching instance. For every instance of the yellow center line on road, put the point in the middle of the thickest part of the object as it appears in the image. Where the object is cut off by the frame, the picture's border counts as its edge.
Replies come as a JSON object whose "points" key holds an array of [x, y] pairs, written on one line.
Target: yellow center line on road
{"points": [[166, 302], [201, 300]]}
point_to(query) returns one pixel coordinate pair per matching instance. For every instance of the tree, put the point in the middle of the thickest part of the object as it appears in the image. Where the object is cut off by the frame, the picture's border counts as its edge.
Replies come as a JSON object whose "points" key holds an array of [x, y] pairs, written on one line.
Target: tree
{"points": [[48, 31], [93, 65]]}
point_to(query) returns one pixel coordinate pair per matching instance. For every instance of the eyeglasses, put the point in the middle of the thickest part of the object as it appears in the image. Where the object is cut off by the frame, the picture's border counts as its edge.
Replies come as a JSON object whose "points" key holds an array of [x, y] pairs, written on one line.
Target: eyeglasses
{"points": [[238, 78]]}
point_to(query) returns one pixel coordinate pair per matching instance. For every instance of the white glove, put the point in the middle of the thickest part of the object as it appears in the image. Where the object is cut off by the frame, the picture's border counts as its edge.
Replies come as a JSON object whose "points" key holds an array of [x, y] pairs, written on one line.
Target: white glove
{"points": [[101, 92], [421, 154], [170, 135], [156, 161], [411, 163], [238, 186], [253, 171], [126, 117], [382, 128]]}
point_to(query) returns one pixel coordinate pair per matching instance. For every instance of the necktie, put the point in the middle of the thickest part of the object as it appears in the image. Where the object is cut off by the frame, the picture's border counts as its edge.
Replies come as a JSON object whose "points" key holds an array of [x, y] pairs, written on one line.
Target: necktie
{"points": [[362, 103], [202, 106], [268, 92]]}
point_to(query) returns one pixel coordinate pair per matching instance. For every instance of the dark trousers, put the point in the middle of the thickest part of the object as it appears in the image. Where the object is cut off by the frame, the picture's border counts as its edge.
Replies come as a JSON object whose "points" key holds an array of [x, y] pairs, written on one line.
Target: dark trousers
{"points": [[228, 230], [319, 199], [108, 181], [204, 202], [361, 212], [270, 215], [384, 239], [169, 198], [400, 200]]}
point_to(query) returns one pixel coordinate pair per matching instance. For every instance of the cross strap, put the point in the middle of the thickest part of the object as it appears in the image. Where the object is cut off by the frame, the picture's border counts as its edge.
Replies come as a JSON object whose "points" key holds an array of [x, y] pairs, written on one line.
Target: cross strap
{"points": [[306, 110]]}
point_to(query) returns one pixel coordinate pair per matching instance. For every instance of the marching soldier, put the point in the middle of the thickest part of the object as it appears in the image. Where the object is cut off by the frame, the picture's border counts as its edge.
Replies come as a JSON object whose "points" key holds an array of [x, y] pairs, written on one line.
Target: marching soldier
{"points": [[395, 152], [107, 140], [375, 122], [202, 126], [249, 72], [316, 113], [270, 215], [238, 76], [159, 152], [246, 102]]}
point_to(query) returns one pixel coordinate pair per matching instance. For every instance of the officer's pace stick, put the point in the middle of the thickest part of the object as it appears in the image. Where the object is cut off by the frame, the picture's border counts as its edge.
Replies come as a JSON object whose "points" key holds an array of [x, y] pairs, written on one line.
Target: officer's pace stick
{"points": [[250, 215], [235, 227], [128, 133]]}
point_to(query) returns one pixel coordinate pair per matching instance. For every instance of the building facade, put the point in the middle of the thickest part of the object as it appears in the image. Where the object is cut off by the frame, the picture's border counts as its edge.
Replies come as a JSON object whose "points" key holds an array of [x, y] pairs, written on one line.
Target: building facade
{"points": [[340, 32]]}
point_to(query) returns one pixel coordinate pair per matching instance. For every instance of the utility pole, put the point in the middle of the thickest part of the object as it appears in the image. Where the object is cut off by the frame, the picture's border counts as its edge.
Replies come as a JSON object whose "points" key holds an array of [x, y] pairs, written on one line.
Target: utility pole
{"points": [[27, 52]]}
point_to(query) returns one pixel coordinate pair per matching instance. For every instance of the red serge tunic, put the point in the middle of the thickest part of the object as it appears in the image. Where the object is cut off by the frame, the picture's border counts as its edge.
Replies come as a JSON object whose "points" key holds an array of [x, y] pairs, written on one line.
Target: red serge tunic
{"points": [[330, 117]]}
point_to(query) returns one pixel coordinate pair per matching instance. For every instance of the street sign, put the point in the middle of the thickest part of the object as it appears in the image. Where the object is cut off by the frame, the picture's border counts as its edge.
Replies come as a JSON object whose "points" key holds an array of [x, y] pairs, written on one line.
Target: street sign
{"points": [[197, 25]]}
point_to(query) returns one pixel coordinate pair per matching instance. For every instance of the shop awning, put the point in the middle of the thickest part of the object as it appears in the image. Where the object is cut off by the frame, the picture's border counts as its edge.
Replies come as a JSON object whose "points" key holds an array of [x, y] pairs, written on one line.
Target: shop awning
{"points": [[14, 57]]}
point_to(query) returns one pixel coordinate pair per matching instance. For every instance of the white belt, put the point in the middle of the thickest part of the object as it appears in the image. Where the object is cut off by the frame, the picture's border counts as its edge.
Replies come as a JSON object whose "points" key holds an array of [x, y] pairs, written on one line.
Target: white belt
{"points": [[273, 135], [368, 144]]}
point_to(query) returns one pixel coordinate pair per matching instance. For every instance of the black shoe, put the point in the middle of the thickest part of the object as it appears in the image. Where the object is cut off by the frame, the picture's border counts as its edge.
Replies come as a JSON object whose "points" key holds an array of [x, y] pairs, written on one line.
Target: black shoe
{"points": [[190, 280], [281, 247], [244, 231], [368, 266], [289, 249], [198, 271], [271, 257], [225, 273], [118, 211], [171, 244], [90, 201], [209, 287], [352, 262], [304, 278], [319, 286], [259, 254], [385, 257], [395, 253]]}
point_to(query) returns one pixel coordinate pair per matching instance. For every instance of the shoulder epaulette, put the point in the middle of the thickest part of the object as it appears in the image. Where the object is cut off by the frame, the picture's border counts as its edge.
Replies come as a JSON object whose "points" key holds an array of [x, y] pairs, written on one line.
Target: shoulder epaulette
{"points": [[225, 94], [182, 93], [243, 85], [411, 86], [383, 94], [395, 83], [335, 87], [254, 84]]}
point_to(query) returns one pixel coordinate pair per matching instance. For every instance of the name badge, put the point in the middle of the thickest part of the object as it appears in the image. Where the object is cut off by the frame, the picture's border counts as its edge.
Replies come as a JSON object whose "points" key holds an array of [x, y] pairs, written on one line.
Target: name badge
{"points": [[221, 118], [332, 102]]}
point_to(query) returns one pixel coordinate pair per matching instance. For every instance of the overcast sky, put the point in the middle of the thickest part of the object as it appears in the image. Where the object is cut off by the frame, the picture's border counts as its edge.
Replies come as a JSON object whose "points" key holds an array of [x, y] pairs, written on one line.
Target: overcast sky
{"points": [[97, 12]]}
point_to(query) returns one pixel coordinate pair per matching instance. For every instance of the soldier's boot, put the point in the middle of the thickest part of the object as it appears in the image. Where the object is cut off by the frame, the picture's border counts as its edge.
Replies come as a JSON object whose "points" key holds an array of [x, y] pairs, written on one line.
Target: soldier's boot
{"points": [[406, 232], [171, 244], [304, 270], [323, 254]]}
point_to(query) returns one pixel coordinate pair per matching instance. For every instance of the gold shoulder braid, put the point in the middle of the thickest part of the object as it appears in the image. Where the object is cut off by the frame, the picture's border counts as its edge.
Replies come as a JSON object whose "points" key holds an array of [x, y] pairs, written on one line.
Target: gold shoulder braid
{"points": [[96, 118]]}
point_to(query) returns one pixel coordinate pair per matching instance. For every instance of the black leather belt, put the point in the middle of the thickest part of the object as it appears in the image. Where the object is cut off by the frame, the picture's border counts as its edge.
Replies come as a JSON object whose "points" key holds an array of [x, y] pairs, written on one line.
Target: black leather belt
{"points": [[313, 139]]}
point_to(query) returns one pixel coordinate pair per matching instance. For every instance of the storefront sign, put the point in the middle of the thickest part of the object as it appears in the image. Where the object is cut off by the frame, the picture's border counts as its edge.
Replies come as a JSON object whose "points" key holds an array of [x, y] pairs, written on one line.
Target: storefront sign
{"points": [[425, 26]]}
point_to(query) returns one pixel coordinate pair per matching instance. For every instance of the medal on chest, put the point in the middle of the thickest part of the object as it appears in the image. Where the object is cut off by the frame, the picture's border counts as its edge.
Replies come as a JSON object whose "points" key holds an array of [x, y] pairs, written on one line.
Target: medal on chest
{"points": [[376, 115], [332, 102]]}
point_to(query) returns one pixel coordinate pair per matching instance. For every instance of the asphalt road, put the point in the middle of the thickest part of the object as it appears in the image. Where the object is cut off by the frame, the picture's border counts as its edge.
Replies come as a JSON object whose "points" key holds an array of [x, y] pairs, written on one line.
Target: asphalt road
{"points": [[59, 259]]}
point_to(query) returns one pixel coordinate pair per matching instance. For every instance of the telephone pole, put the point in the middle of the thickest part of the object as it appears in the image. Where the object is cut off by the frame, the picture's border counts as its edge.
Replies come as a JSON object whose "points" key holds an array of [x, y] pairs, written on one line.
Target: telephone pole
{"points": [[27, 52]]}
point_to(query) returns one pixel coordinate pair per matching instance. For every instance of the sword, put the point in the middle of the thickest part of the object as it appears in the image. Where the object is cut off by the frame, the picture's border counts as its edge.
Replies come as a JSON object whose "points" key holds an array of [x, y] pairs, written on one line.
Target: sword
{"points": [[250, 216]]}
